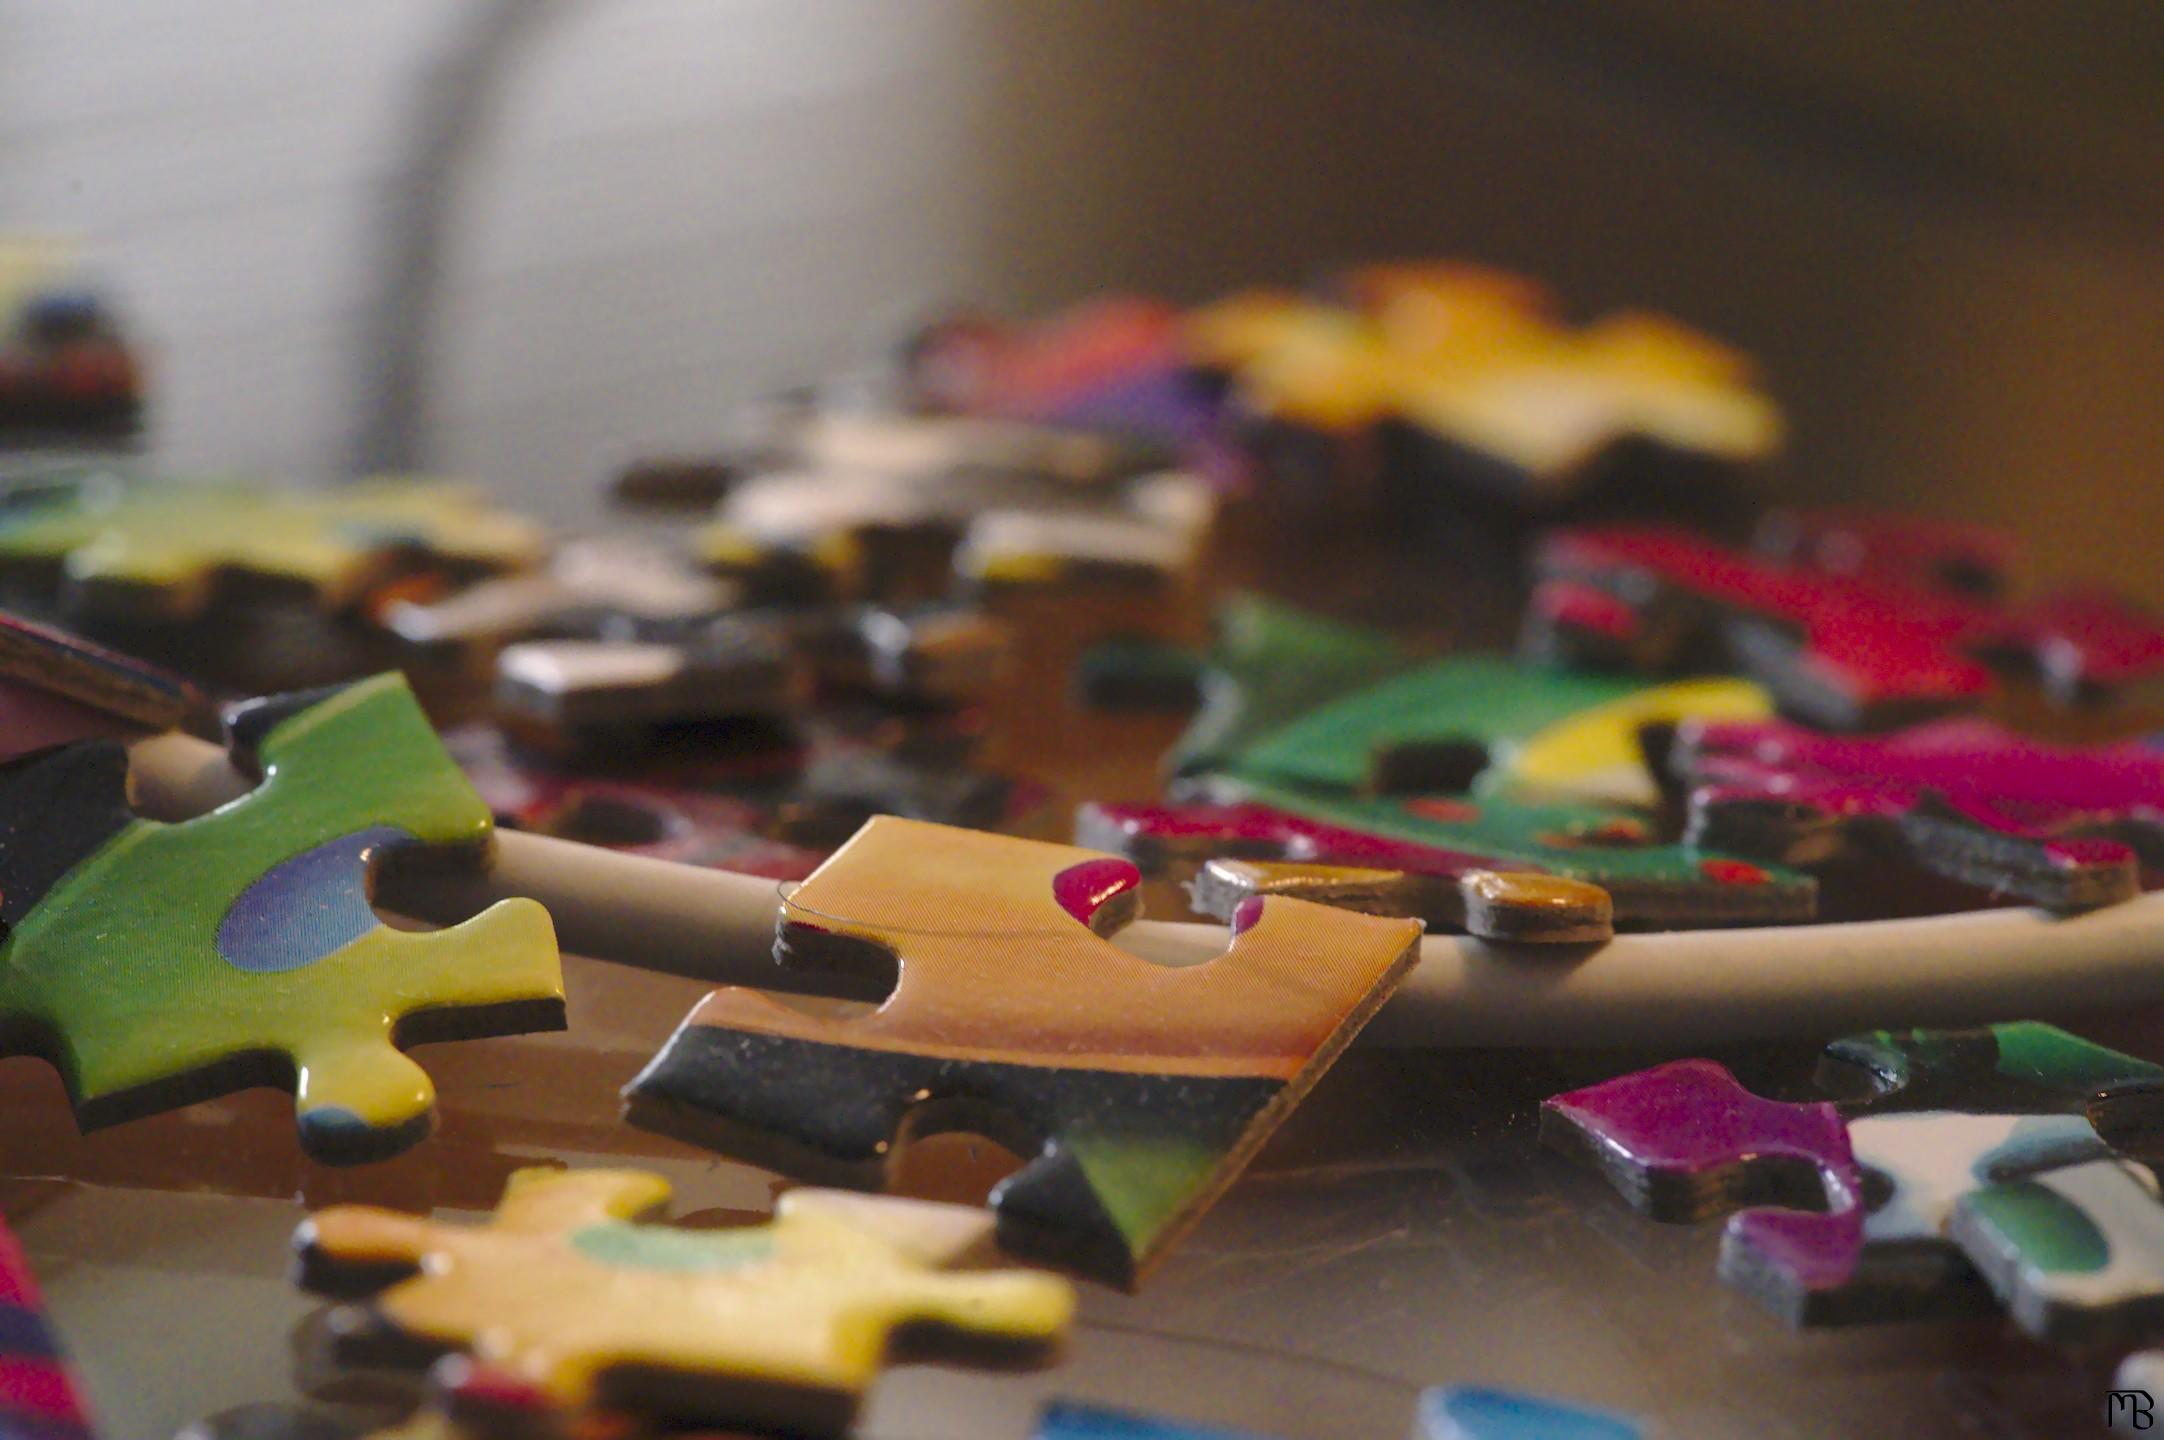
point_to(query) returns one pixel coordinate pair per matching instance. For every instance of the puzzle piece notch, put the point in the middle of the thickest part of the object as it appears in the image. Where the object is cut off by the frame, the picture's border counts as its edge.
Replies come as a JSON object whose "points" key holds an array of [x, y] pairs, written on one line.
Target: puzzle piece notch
{"points": [[1013, 1017], [1846, 651], [781, 1325], [1476, 1412], [1246, 851], [160, 963], [2066, 827]]}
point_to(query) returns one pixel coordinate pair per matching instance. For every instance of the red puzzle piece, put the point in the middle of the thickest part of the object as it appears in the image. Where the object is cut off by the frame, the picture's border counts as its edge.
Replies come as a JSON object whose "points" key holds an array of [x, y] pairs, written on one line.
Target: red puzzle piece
{"points": [[1848, 649], [2060, 825]]}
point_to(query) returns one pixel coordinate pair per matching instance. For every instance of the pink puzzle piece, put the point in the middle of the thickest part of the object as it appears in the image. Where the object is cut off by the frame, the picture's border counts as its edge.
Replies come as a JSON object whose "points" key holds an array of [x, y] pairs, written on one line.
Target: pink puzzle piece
{"points": [[1851, 648], [1685, 1141], [2062, 826]]}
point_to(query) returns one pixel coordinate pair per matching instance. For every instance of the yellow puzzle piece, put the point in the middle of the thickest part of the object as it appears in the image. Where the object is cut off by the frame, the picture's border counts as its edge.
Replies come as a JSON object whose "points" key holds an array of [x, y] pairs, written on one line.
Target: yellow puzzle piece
{"points": [[784, 1324]]}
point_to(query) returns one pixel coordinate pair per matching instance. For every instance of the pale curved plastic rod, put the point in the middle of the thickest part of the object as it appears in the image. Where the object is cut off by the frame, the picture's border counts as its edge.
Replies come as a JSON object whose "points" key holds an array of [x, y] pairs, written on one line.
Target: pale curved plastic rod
{"points": [[1673, 988]]}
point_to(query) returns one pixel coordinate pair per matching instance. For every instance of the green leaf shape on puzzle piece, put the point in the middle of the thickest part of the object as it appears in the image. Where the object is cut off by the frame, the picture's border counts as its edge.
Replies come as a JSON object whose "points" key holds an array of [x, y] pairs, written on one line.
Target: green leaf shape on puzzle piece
{"points": [[120, 963], [2048, 1230]]}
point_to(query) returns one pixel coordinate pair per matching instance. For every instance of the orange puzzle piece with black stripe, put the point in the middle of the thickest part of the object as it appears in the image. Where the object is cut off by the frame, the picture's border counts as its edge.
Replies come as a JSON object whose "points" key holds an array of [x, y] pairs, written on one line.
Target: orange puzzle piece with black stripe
{"points": [[1139, 1090]]}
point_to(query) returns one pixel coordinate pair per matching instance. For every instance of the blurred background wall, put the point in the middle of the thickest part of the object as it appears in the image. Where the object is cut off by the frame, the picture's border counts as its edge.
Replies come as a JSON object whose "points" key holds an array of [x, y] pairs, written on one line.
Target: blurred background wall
{"points": [[1936, 223]]}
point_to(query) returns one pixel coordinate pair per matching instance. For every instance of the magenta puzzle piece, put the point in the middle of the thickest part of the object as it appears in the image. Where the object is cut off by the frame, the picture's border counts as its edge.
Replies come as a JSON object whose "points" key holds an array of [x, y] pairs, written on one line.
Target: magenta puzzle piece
{"points": [[1685, 1141], [2062, 826], [1846, 648]]}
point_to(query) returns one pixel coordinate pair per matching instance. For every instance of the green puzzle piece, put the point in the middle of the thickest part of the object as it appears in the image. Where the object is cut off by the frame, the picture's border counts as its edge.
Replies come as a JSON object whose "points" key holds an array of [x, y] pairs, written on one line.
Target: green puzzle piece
{"points": [[1448, 756], [1268, 664], [159, 964]]}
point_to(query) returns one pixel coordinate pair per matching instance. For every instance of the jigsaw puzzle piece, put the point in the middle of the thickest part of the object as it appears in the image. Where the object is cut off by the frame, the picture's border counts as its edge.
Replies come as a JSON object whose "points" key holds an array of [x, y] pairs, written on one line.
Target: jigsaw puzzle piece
{"points": [[1685, 1142], [1013, 1017], [1067, 1420], [2076, 1253], [40, 1398], [1489, 725], [1473, 1412], [588, 582], [1949, 1113], [1572, 849], [159, 964], [1267, 664], [169, 549], [56, 688], [2066, 827], [782, 1325], [1246, 851], [1841, 649], [2020, 1067], [596, 695]]}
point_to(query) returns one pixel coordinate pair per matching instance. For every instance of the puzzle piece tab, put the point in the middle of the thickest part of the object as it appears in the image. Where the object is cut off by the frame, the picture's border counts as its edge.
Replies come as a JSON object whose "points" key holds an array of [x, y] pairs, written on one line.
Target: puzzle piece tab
{"points": [[2065, 827], [40, 1398], [1955, 1112], [782, 1325], [1139, 1090], [1475, 1412], [159, 964], [1843, 650]]}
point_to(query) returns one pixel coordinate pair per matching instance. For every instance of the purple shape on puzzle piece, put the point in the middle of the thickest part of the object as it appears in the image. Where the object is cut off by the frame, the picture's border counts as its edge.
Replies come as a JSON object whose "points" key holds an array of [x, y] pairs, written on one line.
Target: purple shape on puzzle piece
{"points": [[1259, 832], [1685, 1140], [1979, 771]]}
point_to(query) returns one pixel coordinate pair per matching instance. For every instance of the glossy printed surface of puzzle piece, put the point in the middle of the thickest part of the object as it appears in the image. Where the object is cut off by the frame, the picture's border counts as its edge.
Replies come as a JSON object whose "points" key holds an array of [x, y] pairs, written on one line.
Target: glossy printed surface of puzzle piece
{"points": [[784, 1324], [1066, 1420], [164, 548], [166, 963], [39, 1396], [2066, 827], [1843, 650], [1013, 1016], [1474, 1412], [2076, 1253], [2021, 1067]]}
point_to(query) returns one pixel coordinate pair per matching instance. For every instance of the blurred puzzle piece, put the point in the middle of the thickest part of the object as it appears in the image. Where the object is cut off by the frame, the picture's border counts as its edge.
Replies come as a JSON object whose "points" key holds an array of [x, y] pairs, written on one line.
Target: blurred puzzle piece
{"points": [[159, 964], [1842, 649], [56, 688], [120, 545], [782, 1325], [2066, 827], [40, 1398], [1474, 1412], [1067, 1420], [1014, 1018]]}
